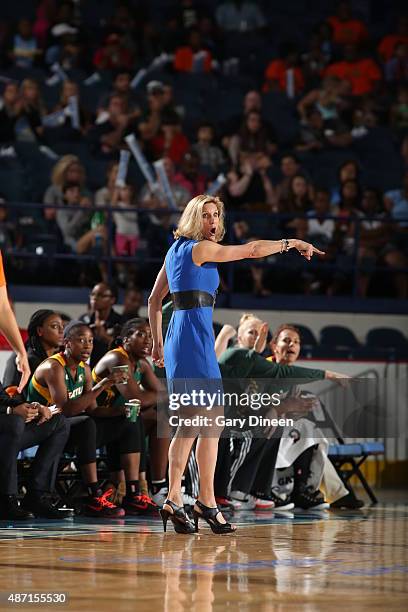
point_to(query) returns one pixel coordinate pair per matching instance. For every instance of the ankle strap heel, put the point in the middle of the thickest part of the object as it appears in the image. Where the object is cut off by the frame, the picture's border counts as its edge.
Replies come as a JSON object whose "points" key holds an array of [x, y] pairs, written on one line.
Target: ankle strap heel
{"points": [[209, 515]]}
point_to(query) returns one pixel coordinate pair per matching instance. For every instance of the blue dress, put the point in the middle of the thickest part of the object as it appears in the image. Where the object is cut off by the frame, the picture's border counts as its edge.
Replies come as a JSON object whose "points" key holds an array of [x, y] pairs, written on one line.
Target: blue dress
{"points": [[189, 354]]}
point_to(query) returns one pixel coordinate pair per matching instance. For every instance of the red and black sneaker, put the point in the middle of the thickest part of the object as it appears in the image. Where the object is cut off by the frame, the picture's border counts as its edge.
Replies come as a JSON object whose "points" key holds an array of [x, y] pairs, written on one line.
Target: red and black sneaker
{"points": [[139, 504], [101, 506]]}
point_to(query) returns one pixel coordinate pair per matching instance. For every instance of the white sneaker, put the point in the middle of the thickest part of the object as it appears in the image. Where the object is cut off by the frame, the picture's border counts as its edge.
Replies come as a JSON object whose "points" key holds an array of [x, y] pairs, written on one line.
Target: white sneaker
{"points": [[244, 500], [188, 500], [160, 497]]}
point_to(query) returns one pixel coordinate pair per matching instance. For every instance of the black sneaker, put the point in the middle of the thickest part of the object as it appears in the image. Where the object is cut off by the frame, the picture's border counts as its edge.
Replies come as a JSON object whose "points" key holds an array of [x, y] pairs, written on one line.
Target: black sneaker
{"points": [[275, 502], [139, 504], [349, 501], [101, 506], [41, 507], [307, 498], [10, 509]]}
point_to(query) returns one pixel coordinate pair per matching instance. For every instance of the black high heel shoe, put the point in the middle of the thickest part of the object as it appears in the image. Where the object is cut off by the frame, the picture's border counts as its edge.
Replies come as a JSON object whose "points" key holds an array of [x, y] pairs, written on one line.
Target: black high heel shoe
{"points": [[178, 517], [210, 517]]}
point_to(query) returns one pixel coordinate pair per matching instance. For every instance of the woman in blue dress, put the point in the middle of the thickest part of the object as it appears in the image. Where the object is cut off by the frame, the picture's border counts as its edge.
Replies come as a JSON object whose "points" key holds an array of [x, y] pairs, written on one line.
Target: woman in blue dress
{"points": [[190, 274]]}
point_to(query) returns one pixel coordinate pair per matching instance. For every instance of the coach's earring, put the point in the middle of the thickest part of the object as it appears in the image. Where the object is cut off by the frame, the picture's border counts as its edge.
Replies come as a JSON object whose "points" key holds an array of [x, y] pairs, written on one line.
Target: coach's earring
{"points": [[210, 517], [178, 517]]}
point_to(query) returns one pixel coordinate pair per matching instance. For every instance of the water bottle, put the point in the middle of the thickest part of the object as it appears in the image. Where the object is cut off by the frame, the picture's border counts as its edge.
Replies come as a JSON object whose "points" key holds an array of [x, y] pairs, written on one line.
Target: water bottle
{"points": [[98, 219]]}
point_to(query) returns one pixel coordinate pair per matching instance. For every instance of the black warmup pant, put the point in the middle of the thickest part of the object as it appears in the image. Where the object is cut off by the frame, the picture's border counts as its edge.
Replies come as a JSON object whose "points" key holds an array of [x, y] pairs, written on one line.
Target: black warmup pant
{"points": [[120, 436], [256, 472], [15, 436]]}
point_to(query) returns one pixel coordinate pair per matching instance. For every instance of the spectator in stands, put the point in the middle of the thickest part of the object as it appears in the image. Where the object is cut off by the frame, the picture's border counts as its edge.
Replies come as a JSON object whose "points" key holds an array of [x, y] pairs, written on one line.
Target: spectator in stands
{"points": [[300, 194], [362, 73], [132, 302], [314, 61], [249, 185], [74, 221], [327, 99], [104, 195], [10, 106], [346, 29], [44, 18], [239, 16], [127, 228], [181, 194], [68, 169], [318, 227], [189, 176], [349, 170], [24, 425], [65, 379], [102, 318], [24, 49], [70, 89], [126, 221], [377, 246], [321, 230], [210, 155], [317, 133], [121, 86], [388, 43], [113, 55], [396, 68], [45, 331], [170, 141], [252, 138], [289, 166], [285, 74], [396, 204], [159, 103], [193, 57], [29, 127], [110, 127]]}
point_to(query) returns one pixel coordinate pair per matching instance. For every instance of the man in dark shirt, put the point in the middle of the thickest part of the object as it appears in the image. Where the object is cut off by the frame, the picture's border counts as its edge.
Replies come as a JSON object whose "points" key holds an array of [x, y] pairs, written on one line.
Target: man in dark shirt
{"points": [[24, 425], [102, 319]]}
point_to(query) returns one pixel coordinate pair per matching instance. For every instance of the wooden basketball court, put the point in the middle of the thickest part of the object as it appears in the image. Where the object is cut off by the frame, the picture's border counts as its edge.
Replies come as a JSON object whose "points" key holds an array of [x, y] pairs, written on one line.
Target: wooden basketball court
{"points": [[348, 560]]}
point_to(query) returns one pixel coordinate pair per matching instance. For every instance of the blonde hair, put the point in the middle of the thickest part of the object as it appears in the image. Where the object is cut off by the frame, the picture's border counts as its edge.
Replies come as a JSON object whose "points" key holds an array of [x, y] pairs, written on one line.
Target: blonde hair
{"points": [[60, 169], [246, 318], [191, 221]]}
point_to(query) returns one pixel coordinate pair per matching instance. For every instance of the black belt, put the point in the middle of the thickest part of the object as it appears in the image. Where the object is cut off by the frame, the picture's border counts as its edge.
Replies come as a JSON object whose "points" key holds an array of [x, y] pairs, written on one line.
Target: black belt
{"points": [[185, 300]]}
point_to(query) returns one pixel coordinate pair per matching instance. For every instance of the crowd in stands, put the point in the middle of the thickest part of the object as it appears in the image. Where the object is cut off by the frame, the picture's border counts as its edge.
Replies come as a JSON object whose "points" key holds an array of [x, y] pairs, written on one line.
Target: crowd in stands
{"points": [[309, 129], [76, 414]]}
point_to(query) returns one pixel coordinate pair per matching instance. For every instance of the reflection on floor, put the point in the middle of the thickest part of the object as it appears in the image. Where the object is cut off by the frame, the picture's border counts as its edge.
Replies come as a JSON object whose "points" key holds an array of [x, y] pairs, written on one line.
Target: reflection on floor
{"points": [[289, 561]]}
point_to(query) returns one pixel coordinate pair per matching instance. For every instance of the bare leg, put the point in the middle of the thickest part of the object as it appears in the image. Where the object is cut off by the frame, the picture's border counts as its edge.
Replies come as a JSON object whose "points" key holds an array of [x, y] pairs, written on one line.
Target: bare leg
{"points": [[179, 451]]}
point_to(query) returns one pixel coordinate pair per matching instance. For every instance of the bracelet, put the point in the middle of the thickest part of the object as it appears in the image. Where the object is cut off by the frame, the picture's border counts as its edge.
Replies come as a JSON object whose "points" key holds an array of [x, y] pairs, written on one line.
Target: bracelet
{"points": [[284, 245]]}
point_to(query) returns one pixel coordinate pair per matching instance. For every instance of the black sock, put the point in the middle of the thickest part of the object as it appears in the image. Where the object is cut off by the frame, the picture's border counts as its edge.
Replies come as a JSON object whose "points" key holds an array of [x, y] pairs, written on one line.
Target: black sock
{"points": [[132, 487], [157, 485], [94, 489]]}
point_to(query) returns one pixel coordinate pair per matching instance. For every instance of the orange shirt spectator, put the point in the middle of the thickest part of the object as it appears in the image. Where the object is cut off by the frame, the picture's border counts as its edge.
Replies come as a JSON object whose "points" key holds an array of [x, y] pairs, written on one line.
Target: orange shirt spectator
{"points": [[388, 44], [184, 60], [276, 72], [362, 74], [351, 31]]}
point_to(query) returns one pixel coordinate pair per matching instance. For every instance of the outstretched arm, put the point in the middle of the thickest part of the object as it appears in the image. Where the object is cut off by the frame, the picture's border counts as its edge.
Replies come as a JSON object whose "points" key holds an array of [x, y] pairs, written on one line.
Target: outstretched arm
{"points": [[206, 250], [9, 327], [159, 291]]}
